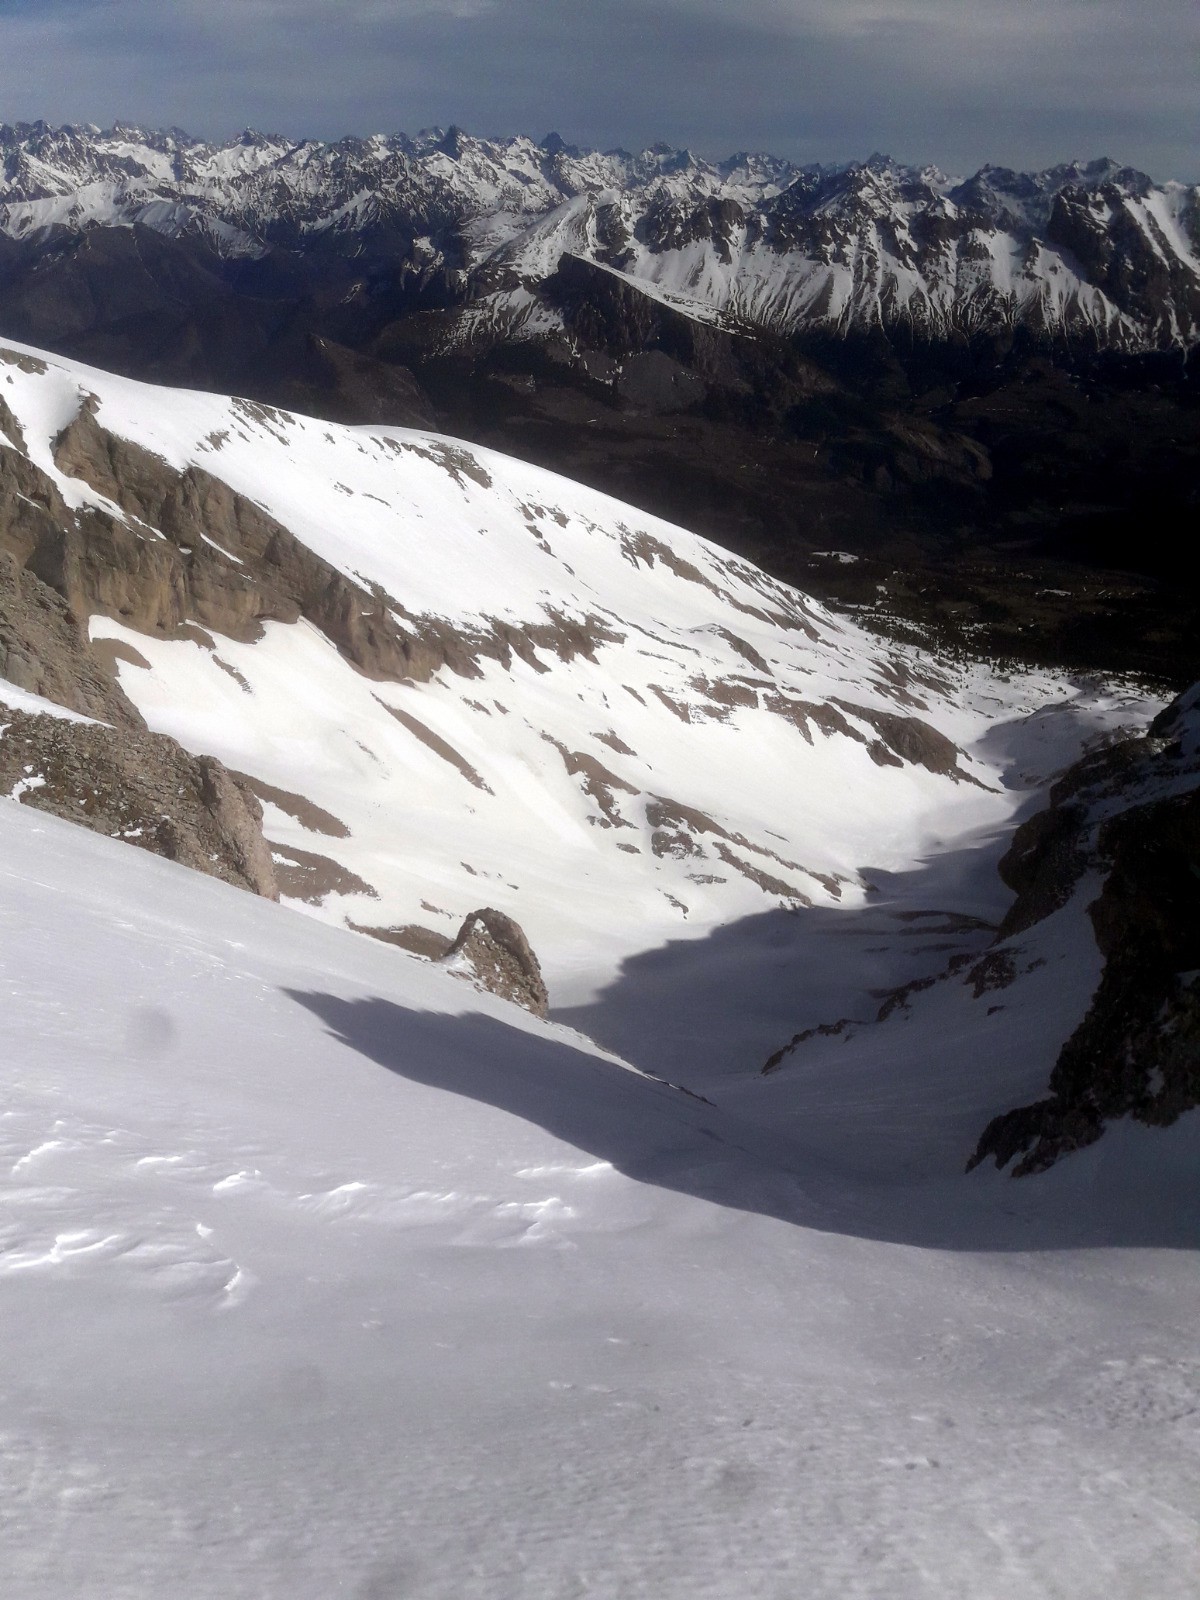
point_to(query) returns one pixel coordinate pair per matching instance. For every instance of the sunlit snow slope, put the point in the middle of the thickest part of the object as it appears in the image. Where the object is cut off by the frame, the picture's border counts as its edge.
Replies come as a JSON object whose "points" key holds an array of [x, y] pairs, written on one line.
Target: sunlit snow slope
{"points": [[488, 685]]}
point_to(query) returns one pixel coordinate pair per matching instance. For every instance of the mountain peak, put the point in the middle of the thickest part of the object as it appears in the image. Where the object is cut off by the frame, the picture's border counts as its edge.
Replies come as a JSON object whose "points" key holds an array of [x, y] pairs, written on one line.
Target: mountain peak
{"points": [[683, 223]]}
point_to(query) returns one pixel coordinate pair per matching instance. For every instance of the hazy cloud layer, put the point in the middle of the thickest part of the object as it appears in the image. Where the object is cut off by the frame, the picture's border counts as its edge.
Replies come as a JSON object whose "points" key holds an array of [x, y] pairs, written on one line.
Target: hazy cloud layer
{"points": [[959, 82]]}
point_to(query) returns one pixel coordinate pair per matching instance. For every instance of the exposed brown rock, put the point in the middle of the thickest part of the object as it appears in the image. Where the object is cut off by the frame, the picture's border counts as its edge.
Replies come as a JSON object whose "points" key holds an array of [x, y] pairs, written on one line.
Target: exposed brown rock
{"points": [[900, 738], [823, 1030], [9, 426], [43, 649], [225, 564], [491, 949], [677, 845], [676, 827], [819, 714], [725, 695], [30, 504], [1044, 862], [417, 940], [908, 739], [459, 463], [766, 881], [995, 969], [439, 746], [677, 708], [615, 742], [309, 815], [598, 783], [641, 546], [23, 361], [306, 875], [747, 651], [673, 814], [140, 787], [1050, 851], [109, 652]]}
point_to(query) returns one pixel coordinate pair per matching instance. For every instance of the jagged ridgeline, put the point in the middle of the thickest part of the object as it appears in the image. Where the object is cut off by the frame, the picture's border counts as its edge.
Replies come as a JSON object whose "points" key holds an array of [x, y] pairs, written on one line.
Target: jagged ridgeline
{"points": [[1080, 247]]}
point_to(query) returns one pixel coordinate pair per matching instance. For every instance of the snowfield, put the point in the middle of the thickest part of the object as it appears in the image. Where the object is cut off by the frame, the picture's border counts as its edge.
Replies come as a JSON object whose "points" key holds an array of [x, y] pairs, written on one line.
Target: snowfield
{"points": [[683, 740], [324, 1274]]}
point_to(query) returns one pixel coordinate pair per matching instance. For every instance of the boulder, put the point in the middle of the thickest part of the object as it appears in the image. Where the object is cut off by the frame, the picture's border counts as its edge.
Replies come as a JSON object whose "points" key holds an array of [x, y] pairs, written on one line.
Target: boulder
{"points": [[492, 950]]}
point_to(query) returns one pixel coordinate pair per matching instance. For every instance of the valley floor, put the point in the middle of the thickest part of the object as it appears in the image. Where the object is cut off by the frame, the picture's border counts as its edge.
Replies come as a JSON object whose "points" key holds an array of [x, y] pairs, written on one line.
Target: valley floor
{"points": [[325, 1274]]}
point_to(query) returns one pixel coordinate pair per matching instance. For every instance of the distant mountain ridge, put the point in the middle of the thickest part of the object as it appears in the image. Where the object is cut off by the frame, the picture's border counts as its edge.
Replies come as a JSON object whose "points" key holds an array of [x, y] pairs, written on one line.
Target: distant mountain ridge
{"points": [[1093, 251]]}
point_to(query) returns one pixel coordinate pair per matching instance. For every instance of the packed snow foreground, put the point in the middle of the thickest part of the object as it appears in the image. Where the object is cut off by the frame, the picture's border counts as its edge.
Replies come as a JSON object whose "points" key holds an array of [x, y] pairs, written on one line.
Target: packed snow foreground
{"points": [[324, 1272]]}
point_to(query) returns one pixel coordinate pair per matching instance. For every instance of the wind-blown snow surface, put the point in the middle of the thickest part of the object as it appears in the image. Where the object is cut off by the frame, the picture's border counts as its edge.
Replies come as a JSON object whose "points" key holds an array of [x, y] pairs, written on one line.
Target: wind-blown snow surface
{"points": [[713, 752], [324, 1274]]}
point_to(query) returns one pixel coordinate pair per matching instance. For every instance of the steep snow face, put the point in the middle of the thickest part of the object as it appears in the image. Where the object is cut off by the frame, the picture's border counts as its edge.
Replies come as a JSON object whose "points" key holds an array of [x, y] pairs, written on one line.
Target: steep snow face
{"points": [[1079, 249], [323, 1274], [585, 717]]}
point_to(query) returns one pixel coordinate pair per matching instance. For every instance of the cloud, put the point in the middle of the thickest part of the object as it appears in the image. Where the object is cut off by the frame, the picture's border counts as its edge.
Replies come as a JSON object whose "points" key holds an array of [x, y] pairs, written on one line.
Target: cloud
{"points": [[1023, 82]]}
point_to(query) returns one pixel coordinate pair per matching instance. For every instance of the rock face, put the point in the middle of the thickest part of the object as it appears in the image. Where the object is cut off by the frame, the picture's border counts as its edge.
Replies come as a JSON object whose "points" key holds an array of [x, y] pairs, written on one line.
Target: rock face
{"points": [[1133, 812], [189, 551], [45, 650], [142, 788], [492, 950]]}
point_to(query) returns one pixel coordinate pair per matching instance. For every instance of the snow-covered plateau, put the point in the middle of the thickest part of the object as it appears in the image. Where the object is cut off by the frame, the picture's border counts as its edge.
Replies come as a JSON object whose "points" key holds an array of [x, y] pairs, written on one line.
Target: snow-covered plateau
{"points": [[323, 1271]]}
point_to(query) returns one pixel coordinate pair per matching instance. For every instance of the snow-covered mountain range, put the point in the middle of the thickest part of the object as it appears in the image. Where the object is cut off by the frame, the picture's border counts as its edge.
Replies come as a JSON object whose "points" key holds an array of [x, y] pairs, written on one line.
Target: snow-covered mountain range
{"points": [[1092, 251]]}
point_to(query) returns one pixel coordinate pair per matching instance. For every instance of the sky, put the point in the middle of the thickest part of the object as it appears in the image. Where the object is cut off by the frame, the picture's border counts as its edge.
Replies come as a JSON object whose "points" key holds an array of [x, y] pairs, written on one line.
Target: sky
{"points": [[957, 82]]}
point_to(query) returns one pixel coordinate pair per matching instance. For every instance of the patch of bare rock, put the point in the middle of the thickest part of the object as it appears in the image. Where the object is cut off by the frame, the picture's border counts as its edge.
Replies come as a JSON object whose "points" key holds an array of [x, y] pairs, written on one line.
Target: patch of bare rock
{"points": [[142, 788]]}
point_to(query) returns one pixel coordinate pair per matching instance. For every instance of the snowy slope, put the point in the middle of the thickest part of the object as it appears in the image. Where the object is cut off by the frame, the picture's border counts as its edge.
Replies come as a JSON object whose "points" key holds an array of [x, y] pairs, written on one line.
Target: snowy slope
{"points": [[620, 708], [323, 1274], [1089, 249]]}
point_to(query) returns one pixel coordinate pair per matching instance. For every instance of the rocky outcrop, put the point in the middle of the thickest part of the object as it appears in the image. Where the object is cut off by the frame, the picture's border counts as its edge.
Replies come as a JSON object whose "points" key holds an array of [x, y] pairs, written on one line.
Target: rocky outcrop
{"points": [[181, 548], [45, 650], [1052, 849], [1133, 812], [142, 788], [417, 940], [492, 950], [221, 561]]}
